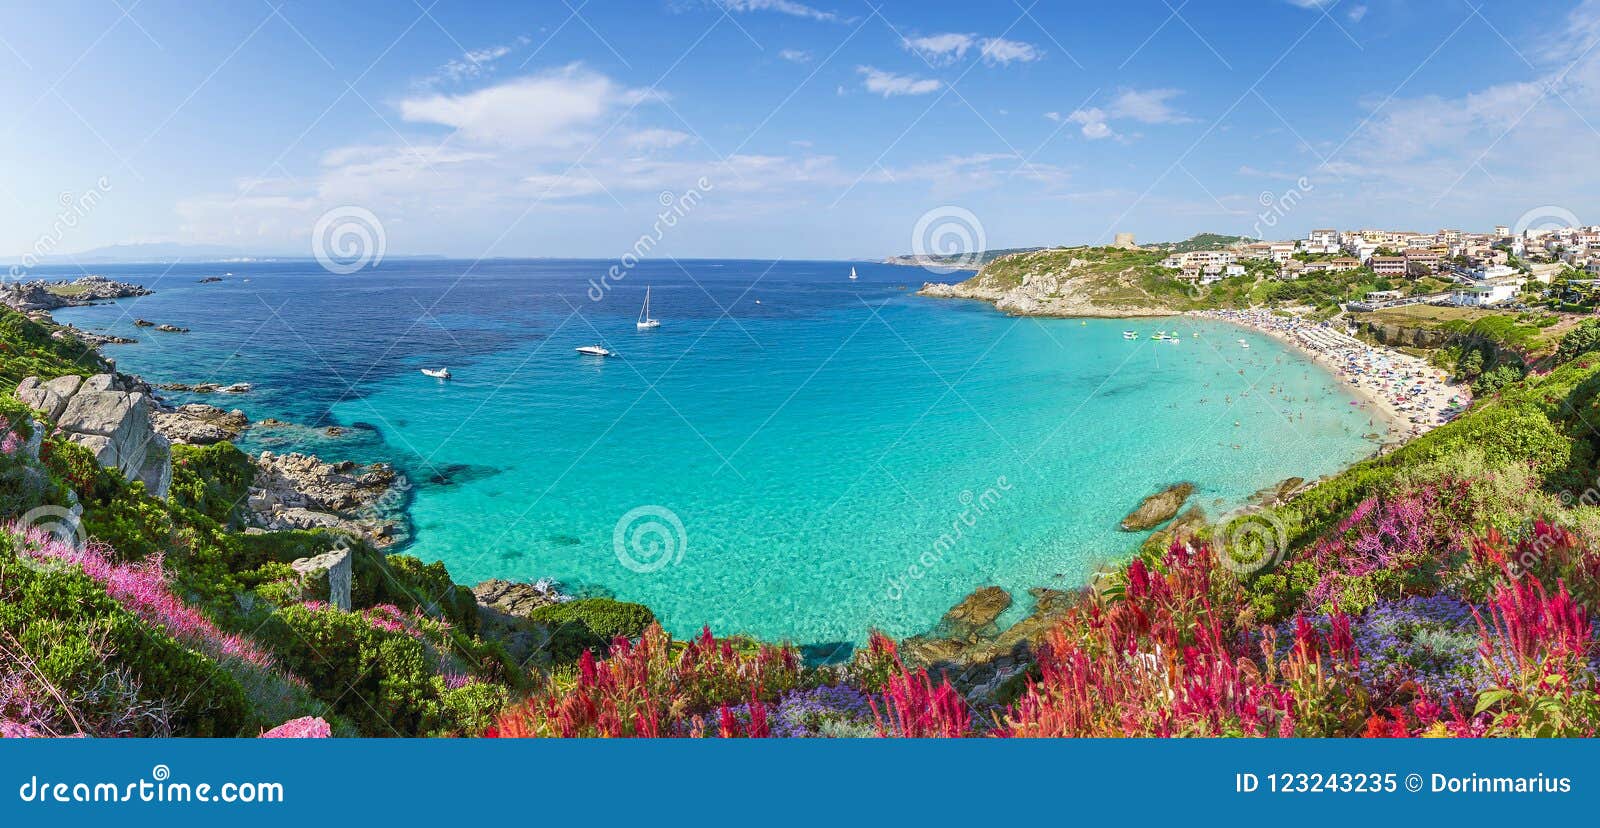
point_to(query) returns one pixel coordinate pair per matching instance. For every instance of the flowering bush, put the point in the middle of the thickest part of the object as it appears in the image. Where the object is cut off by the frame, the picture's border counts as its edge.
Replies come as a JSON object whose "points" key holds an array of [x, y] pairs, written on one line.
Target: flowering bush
{"points": [[305, 727], [657, 687], [1417, 645], [1388, 546], [77, 660]]}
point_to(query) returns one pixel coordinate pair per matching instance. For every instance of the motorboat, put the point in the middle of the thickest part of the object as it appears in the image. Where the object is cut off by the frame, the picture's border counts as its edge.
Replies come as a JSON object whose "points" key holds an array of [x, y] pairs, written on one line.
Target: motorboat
{"points": [[437, 373], [593, 350]]}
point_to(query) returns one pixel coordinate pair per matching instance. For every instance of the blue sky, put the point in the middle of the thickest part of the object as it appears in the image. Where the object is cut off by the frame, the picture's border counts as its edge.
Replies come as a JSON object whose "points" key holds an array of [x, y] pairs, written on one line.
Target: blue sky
{"points": [[821, 129]]}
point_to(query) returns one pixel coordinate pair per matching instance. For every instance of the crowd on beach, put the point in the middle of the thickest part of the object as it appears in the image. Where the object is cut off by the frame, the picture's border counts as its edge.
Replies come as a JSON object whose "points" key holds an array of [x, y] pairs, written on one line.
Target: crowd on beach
{"points": [[1413, 395]]}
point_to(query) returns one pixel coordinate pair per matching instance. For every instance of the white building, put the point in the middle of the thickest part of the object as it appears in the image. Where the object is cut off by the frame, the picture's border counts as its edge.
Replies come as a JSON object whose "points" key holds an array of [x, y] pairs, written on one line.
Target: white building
{"points": [[1484, 294]]}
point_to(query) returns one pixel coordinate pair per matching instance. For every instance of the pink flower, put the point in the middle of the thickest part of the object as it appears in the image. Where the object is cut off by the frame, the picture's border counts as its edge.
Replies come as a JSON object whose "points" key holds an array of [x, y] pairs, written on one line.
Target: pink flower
{"points": [[305, 727]]}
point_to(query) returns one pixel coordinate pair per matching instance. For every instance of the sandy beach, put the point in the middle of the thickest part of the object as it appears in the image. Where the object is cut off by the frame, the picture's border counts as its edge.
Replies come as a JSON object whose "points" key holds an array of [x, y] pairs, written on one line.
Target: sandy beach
{"points": [[1410, 395]]}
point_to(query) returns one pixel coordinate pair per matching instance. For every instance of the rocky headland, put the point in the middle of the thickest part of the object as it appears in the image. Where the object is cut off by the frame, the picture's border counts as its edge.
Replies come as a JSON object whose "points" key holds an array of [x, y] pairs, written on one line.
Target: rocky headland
{"points": [[41, 295], [1076, 282]]}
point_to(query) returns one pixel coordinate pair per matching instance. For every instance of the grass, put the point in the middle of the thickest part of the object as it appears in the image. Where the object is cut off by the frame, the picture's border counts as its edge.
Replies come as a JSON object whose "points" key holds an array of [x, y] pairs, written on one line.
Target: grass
{"points": [[1534, 334]]}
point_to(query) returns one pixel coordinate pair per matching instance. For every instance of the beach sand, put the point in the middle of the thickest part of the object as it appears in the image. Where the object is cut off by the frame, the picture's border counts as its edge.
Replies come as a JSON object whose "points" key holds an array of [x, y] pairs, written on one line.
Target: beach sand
{"points": [[1411, 396]]}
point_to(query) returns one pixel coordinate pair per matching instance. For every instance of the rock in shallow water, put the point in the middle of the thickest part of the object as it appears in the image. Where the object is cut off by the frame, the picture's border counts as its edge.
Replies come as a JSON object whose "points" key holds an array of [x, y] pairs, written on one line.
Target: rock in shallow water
{"points": [[1157, 508]]}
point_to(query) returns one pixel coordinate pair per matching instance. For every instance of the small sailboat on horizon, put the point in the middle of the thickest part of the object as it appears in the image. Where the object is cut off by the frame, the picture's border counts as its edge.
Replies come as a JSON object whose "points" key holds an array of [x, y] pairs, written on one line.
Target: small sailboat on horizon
{"points": [[645, 323], [852, 274]]}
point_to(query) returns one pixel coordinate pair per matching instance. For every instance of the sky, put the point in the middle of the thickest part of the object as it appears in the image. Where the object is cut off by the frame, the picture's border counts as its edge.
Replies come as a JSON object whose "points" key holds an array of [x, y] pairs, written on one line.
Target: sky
{"points": [[781, 128]]}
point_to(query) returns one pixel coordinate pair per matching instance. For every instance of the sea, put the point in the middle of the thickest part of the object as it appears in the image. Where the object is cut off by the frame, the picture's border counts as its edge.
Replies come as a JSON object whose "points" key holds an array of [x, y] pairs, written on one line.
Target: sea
{"points": [[791, 455]]}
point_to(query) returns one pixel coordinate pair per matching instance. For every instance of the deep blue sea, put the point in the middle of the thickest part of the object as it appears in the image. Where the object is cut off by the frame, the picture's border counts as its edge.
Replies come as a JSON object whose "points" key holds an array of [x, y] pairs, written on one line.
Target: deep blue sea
{"points": [[781, 457]]}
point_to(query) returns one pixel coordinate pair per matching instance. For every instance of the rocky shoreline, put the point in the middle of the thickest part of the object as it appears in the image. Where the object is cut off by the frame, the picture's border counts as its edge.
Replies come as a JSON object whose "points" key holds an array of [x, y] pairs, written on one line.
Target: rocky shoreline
{"points": [[129, 426], [1042, 296], [42, 295]]}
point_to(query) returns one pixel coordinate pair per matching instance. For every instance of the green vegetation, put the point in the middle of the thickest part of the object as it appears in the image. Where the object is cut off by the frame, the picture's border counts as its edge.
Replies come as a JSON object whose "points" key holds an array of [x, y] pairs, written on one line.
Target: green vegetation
{"points": [[385, 670], [109, 666], [27, 349], [1200, 241], [590, 624]]}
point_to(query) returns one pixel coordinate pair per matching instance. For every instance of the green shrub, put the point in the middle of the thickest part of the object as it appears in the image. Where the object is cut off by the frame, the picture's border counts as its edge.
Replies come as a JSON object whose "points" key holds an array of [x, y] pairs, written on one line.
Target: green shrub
{"points": [[1579, 340], [213, 480], [409, 583], [381, 680], [106, 662], [590, 624], [28, 350]]}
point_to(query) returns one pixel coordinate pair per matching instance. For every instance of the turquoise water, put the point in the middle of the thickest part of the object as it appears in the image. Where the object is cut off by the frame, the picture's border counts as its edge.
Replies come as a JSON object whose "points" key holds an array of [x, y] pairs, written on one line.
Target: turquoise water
{"points": [[813, 448]]}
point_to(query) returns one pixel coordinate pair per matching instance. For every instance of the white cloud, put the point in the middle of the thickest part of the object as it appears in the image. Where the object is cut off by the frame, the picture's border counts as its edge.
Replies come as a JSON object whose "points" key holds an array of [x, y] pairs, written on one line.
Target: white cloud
{"points": [[889, 84], [474, 63], [795, 55], [1356, 13], [941, 49], [950, 47], [788, 7], [1489, 151], [1148, 106], [1093, 122], [653, 139], [552, 109], [998, 50]]}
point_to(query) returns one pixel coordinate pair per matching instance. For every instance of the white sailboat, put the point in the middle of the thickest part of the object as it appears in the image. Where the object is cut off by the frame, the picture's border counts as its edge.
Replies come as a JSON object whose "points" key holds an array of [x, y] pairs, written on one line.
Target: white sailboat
{"points": [[645, 322], [852, 274]]}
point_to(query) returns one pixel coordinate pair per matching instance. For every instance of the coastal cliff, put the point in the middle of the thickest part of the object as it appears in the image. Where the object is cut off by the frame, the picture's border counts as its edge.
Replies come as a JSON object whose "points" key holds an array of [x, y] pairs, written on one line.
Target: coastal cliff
{"points": [[1073, 281]]}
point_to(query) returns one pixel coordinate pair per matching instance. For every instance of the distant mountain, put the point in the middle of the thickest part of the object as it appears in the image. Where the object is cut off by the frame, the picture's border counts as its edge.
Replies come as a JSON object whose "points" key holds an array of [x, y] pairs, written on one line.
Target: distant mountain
{"points": [[965, 262], [160, 252], [169, 252]]}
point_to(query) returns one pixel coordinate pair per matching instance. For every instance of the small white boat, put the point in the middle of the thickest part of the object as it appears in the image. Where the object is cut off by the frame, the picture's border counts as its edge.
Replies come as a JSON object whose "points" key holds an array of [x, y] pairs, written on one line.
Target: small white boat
{"points": [[852, 274], [437, 373], [758, 301], [1130, 334], [593, 350], [645, 322]]}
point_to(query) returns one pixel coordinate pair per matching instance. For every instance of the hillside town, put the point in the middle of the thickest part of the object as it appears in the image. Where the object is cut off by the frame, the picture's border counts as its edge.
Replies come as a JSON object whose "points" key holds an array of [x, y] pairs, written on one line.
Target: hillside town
{"points": [[1456, 267]]}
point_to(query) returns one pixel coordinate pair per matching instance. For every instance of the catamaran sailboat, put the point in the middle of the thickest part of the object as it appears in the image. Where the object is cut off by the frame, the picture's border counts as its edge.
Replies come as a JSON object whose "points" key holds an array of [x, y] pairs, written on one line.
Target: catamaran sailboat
{"points": [[852, 274], [645, 322]]}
